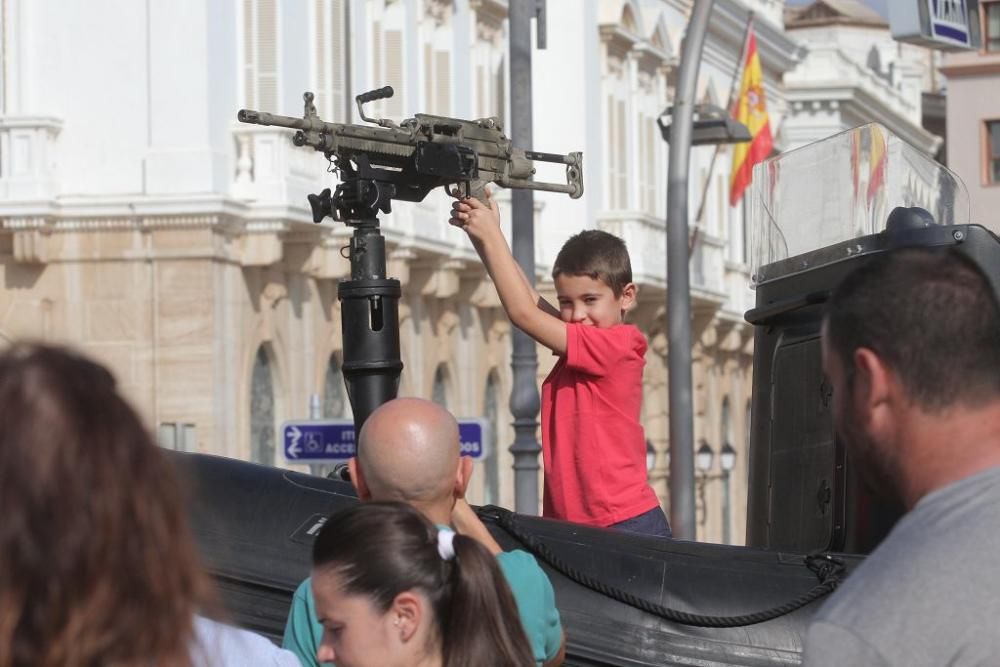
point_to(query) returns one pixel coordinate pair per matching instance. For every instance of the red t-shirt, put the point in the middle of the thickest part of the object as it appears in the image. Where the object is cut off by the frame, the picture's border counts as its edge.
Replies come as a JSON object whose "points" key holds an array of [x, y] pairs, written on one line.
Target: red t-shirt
{"points": [[593, 446]]}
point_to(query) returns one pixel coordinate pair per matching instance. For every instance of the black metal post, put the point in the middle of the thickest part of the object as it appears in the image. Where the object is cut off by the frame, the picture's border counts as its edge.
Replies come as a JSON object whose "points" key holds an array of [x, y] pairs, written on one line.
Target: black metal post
{"points": [[369, 314], [682, 506], [524, 399]]}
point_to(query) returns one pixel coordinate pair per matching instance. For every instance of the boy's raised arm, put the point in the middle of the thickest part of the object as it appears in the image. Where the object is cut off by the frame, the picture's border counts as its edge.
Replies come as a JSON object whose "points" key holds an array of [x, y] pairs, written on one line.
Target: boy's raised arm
{"points": [[519, 299]]}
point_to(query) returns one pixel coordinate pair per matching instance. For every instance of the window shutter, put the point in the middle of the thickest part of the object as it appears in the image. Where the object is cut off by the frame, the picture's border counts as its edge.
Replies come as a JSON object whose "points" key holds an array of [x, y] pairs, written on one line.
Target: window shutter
{"points": [[482, 86], [378, 77], [394, 72], [249, 69], [337, 62], [428, 76], [501, 93], [622, 157], [322, 59], [612, 157], [442, 105], [267, 54]]}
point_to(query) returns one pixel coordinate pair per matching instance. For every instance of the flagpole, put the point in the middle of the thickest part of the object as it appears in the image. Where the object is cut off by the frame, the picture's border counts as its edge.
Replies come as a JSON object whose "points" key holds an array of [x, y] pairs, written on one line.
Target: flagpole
{"points": [[737, 75]]}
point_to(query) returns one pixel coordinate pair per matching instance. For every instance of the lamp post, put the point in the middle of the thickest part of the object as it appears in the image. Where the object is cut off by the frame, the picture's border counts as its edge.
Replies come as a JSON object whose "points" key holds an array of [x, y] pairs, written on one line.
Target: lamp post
{"points": [[727, 461], [704, 458]]}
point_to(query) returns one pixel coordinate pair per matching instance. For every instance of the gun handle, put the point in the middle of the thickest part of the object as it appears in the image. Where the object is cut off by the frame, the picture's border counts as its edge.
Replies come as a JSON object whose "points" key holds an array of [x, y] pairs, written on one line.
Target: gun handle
{"points": [[475, 189]]}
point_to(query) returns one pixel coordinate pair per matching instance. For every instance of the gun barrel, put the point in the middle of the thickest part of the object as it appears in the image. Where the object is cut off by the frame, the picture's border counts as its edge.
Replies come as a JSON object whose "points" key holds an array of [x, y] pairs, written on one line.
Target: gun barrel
{"points": [[264, 118]]}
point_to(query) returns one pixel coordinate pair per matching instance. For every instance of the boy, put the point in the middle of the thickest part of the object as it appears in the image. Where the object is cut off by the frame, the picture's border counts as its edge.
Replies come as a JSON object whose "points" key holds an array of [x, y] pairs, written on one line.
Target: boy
{"points": [[593, 447]]}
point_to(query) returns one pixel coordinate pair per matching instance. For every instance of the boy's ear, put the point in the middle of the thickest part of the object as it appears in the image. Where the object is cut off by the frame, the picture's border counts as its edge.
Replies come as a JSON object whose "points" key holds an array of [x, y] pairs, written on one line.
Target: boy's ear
{"points": [[630, 296]]}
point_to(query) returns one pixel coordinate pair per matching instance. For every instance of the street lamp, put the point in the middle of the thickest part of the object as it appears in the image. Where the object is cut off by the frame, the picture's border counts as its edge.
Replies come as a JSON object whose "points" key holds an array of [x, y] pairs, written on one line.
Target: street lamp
{"points": [[704, 458], [727, 458], [711, 125]]}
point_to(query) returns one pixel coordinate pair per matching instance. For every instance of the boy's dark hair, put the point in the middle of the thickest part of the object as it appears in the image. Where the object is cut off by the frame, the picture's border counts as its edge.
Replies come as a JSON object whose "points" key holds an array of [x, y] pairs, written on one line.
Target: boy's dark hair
{"points": [[598, 255], [931, 315]]}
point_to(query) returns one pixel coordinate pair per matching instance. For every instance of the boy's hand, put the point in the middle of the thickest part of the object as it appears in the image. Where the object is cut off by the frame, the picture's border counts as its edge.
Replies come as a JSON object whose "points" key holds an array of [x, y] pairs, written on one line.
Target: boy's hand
{"points": [[467, 522], [479, 221]]}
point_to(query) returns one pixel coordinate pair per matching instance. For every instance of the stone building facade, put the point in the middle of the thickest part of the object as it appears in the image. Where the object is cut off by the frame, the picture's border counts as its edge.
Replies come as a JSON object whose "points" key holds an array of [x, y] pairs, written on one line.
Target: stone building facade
{"points": [[142, 224]]}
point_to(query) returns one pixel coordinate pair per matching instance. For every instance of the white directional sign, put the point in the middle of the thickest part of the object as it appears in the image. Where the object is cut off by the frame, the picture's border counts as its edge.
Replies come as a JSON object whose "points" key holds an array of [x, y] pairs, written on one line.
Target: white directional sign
{"points": [[324, 440]]}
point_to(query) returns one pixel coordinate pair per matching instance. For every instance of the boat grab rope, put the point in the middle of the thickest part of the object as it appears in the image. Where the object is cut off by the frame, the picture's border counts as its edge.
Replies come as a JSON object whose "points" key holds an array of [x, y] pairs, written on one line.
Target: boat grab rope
{"points": [[827, 568]]}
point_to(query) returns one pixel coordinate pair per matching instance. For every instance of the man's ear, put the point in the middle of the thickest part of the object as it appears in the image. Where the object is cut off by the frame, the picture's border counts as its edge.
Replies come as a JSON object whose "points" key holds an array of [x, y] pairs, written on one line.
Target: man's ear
{"points": [[358, 480], [873, 380], [407, 613], [463, 476], [630, 293]]}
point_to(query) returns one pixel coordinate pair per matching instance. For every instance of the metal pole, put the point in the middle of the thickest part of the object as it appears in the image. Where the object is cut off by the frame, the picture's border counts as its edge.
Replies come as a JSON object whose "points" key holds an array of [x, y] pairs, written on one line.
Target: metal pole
{"points": [[729, 109], [727, 533], [682, 509], [524, 399]]}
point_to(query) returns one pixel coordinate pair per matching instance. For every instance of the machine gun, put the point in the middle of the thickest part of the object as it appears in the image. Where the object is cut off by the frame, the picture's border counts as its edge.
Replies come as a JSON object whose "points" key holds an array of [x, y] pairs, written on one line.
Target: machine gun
{"points": [[408, 160], [402, 161]]}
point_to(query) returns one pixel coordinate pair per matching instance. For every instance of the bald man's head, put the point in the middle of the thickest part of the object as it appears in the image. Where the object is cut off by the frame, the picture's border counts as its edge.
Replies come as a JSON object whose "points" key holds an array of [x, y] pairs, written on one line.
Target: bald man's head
{"points": [[408, 450]]}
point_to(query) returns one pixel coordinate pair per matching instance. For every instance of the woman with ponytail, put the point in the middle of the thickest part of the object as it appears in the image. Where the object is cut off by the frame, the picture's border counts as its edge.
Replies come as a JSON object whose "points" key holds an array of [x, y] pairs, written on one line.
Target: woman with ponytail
{"points": [[393, 590]]}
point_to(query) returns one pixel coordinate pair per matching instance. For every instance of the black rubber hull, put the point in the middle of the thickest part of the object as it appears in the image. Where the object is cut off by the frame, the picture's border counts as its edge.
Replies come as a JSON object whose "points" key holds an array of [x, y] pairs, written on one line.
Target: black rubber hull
{"points": [[253, 525]]}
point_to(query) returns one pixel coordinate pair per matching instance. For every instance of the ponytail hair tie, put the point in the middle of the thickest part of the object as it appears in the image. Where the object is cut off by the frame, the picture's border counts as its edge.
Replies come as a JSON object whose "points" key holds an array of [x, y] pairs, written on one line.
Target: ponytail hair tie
{"points": [[446, 544]]}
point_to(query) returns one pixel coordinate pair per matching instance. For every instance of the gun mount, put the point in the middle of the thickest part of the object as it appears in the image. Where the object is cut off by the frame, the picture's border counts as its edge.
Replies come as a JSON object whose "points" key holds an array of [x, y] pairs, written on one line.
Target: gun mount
{"points": [[405, 162]]}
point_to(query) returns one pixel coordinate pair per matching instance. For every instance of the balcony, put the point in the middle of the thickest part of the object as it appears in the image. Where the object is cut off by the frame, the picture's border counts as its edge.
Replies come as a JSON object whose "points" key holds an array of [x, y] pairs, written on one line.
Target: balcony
{"points": [[27, 158]]}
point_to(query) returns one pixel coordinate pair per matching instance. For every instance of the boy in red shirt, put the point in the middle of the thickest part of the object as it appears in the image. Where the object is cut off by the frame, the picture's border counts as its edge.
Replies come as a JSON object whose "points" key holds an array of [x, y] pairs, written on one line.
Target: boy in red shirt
{"points": [[593, 446]]}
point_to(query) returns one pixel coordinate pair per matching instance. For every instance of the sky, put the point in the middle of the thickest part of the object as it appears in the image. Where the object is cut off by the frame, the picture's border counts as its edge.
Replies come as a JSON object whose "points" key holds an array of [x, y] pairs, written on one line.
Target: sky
{"points": [[881, 6]]}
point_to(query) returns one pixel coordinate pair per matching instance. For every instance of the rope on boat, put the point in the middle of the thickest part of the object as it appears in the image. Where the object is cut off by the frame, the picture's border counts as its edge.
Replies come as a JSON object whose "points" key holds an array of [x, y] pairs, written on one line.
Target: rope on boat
{"points": [[827, 568]]}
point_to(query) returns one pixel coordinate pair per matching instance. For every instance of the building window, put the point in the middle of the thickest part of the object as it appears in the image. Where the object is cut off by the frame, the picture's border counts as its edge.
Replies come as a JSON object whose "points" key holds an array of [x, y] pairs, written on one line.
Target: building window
{"points": [[262, 410], [387, 63], [749, 425], [439, 391], [491, 410], [991, 26], [260, 54], [331, 62], [335, 402], [993, 152], [725, 425], [335, 406]]}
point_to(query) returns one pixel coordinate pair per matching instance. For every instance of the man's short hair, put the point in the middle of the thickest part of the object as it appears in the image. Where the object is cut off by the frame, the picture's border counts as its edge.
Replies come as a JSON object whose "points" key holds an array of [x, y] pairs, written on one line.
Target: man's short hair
{"points": [[931, 316], [598, 255]]}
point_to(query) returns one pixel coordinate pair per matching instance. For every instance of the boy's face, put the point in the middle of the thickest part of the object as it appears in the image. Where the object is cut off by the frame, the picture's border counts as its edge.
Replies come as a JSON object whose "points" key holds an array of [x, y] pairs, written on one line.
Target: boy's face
{"points": [[586, 300]]}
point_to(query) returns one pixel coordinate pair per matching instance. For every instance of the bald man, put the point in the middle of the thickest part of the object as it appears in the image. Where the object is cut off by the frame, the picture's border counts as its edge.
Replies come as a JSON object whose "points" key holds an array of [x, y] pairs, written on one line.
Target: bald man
{"points": [[408, 450]]}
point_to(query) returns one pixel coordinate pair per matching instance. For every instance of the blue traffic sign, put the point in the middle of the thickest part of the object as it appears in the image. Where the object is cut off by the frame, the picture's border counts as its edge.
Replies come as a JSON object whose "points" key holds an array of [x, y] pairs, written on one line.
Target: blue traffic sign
{"points": [[321, 440], [318, 440]]}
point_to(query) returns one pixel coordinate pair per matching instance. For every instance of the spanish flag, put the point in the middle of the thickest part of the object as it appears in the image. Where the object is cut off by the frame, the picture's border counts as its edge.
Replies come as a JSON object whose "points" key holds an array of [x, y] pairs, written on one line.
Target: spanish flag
{"points": [[752, 112]]}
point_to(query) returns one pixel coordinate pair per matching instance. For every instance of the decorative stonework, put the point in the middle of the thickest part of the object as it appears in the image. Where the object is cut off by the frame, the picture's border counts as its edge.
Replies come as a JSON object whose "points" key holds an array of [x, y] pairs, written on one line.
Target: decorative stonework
{"points": [[438, 11]]}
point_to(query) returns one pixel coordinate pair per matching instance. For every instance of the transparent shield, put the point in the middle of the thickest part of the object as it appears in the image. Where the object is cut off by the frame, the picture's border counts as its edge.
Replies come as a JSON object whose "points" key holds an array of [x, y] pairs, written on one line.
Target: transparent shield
{"points": [[838, 189]]}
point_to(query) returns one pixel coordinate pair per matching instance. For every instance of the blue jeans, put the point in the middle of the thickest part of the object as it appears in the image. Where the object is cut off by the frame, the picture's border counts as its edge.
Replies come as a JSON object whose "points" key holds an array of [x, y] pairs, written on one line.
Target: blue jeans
{"points": [[654, 522]]}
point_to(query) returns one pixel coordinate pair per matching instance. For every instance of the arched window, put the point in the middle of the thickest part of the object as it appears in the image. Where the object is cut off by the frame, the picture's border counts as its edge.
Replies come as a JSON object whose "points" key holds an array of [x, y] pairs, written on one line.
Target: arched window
{"points": [[439, 391], [491, 410], [262, 410], [335, 402]]}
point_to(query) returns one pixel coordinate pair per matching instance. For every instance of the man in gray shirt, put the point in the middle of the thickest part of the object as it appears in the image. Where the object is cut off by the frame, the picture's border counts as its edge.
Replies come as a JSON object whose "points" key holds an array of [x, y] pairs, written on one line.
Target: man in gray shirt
{"points": [[911, 345]]}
